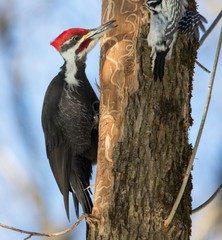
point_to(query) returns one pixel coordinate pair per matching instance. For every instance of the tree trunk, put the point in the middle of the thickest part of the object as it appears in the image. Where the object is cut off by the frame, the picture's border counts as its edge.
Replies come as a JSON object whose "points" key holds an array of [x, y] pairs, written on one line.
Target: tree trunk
{"points": [[143, 135]]}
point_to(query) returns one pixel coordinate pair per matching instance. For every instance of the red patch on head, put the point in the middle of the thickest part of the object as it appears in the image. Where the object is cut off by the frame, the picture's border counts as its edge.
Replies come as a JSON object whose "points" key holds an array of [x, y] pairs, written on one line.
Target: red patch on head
{"points": [[66, 35], [84, 45]]}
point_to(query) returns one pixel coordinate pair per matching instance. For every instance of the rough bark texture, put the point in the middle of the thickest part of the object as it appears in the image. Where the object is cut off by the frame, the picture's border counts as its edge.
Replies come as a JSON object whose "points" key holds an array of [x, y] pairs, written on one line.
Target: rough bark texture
{"points": [[143, 146]]}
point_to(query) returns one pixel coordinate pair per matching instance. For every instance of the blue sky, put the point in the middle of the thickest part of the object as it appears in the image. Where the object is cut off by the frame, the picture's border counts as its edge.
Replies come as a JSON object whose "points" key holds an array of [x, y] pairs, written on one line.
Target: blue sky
{"points": [[34, 24]]}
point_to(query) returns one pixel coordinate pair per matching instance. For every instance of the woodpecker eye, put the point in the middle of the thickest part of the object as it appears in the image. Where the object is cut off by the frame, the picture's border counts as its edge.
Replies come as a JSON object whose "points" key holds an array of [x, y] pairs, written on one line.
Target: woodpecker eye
{"points": [[75, 38]]}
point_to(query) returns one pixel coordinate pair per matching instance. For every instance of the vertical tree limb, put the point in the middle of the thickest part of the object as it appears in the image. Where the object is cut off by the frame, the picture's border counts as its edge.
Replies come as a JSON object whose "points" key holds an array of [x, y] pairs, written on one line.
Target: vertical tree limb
{"points": [[118, 80], [143, 136]]}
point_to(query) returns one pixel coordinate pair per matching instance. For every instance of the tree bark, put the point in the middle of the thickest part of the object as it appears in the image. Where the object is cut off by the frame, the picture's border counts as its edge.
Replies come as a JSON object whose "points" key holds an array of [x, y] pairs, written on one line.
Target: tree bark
{"points": [[143, 135]]}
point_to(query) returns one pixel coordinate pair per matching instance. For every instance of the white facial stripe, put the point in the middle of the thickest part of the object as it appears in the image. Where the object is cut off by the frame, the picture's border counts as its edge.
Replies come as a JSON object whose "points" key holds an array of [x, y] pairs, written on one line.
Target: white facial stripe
{"points": [[71, 68], [70, 57]]}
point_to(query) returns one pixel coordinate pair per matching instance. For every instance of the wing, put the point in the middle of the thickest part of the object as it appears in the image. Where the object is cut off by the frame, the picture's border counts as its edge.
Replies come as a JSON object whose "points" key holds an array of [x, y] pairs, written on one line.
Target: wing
{"points": [[190, 23], [58, 152]]}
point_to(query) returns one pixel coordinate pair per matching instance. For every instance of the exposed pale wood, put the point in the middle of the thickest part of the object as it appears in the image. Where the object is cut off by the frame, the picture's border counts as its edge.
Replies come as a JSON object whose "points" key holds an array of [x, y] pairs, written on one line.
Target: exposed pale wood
{"points": [[118, 79]]}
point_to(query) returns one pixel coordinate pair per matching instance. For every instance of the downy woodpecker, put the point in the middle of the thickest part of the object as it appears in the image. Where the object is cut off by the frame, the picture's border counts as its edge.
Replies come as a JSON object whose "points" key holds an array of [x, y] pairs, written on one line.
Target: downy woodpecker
{"points": [[168, 16], [70, 117]]}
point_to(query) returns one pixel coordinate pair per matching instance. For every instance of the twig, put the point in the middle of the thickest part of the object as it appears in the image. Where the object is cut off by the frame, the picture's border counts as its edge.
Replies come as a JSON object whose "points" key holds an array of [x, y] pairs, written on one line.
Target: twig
{"points": [[209, 30], [90, 186], [28, 237], [200, 65], [189, 168], [46, 234], [208, 201], [206, 34]]}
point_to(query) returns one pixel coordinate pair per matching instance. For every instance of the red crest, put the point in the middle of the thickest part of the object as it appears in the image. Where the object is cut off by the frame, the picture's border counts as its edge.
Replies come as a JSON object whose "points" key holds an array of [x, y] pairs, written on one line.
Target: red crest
{"points": [[66, 35]]}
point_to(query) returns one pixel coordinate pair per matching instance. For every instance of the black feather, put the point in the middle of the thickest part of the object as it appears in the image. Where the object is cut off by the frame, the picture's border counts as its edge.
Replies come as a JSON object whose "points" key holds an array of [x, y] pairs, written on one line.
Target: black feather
{"points": [[190, 23], [159, 64], [71, 136]]}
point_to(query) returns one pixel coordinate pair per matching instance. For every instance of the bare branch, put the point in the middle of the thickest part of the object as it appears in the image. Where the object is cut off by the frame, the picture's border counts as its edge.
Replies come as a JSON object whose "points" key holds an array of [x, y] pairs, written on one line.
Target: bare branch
{"points": [[208, 201], [46, 234], [210, 29], [206, 34], [189, 168], [200, 65]]}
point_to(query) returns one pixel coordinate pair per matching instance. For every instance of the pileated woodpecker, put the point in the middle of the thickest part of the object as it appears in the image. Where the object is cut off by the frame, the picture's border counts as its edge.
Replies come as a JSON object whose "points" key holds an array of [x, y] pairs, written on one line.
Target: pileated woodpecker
{"points": [[70, 117]]}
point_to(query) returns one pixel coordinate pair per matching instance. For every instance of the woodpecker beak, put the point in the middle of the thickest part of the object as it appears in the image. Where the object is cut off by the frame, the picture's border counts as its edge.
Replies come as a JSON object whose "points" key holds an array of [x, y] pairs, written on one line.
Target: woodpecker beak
{"points": [[98, 32], [89, 40]]}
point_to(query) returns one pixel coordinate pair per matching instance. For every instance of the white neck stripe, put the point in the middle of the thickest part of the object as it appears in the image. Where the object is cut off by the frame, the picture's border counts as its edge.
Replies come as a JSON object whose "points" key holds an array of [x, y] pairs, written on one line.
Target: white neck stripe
{"points": [[71, 68]]}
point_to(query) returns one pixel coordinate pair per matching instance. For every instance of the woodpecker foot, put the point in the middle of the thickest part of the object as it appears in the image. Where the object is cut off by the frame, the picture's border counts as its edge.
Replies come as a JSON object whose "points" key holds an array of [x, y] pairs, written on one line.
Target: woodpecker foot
{"points": [[91, 220]]}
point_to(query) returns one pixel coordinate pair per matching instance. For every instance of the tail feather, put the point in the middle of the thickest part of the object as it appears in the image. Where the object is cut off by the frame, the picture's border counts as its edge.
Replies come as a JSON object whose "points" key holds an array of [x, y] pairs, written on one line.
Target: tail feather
{"points": [[159, 63], [80, 195], [76, 204]]}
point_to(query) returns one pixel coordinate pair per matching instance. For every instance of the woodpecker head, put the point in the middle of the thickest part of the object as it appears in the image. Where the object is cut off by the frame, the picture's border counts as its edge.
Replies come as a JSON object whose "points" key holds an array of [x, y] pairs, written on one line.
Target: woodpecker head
{"points": [[78, 41], [154, 6]]}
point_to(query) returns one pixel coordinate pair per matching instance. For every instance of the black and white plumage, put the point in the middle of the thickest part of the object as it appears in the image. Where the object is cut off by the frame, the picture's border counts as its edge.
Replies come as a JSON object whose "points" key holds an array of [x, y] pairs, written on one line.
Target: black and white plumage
{"points": [[70, 117], [190, 23], [167, 17]]}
